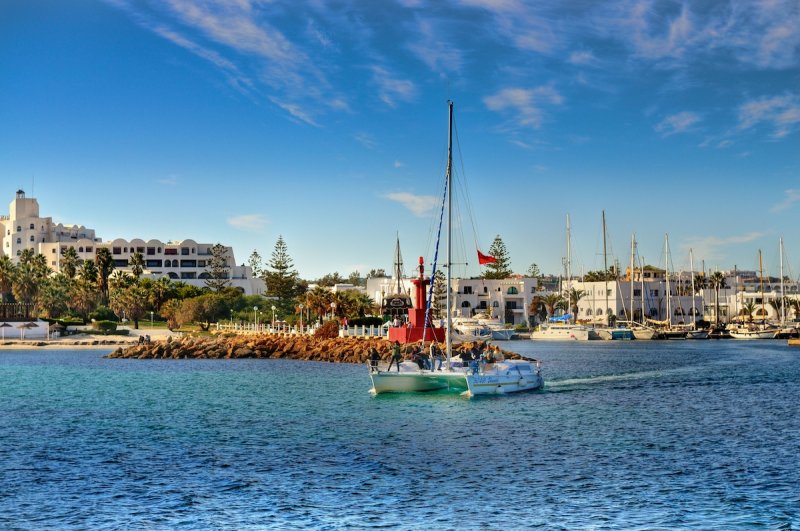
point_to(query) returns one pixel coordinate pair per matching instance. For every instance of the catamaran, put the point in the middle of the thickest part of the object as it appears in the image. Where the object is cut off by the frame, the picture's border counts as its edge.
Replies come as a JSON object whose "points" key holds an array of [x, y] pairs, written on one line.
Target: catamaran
{"points": [[500, 377]]}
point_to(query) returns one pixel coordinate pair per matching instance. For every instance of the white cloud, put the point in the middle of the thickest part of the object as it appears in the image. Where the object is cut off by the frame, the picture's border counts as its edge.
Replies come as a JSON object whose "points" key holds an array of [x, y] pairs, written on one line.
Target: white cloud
{"points": [[677, 123], [782, 113], [248, 222], [526, 104], [398, 164], [365, 139], [390, 88], [432, 47], [791, 197], [581, 58], [420, 205], [712, 247]]}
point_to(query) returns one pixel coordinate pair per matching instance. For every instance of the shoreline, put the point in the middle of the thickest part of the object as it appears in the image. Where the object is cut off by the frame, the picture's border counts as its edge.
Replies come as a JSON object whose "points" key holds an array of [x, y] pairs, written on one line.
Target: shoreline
{"points": [[67, 344]]}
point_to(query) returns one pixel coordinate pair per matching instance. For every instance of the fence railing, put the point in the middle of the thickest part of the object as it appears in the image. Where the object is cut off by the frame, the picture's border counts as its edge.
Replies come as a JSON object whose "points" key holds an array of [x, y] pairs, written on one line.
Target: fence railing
{"points": [[349, 331]]}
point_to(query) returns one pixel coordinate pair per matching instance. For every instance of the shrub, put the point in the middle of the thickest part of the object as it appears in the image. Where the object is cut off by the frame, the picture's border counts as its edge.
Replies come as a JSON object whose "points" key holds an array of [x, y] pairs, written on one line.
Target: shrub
{"points": [[103, 313], [329, 330], [104, 326]]}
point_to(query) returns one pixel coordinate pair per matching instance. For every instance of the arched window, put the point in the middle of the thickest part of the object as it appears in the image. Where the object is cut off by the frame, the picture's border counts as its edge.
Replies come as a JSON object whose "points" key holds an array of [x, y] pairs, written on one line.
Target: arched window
{"points": [[495, 304], [485, 289], [172, 274], [32, 238], [204, 274], [512, 291], [465, 304], [588, 311], [32, 226], [19, 240], [19, 252], [678, 311], [80, 249], [19, 228]]}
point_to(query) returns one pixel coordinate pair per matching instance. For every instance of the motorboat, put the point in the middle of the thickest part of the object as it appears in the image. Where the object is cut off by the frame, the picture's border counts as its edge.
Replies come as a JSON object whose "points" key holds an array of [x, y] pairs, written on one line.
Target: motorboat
{"points": [[503, 377], [753, 333], [560, 328]]}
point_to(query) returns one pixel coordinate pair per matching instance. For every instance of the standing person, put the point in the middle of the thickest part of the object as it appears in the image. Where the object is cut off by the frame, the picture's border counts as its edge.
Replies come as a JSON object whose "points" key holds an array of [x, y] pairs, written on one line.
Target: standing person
{"points": [[396, 322], [397, 356], [436, 355], [374, 358]]}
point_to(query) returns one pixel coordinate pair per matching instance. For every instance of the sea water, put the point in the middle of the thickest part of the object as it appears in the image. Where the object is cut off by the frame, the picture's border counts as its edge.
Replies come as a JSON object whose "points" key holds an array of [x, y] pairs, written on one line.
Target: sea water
{"points": [[690, 434]]}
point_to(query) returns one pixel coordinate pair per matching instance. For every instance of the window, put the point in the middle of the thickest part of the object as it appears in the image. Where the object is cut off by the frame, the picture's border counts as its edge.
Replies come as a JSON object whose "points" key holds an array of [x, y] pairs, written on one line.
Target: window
{"points": [[151, 251], [188, 263], [116, 250], [19, 228], [512, 291], [588, 311], [465, 304], [495, 304], [511, 305], [32, 226], [19, 240], [485, 289], [80, 249], [637, 292], [467, 290], [121, 263], [608, 292], [19, 252], [170, 251], [140, 250], [622, 313], [32, 238], [89, 249], [201, 263], [184, 250], [186, 275], [152, 263], [654, 293]]}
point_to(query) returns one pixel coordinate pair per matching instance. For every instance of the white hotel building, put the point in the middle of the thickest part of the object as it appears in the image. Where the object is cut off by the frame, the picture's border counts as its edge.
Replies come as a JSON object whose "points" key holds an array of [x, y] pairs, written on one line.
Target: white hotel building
{"points": [[184, 260]]}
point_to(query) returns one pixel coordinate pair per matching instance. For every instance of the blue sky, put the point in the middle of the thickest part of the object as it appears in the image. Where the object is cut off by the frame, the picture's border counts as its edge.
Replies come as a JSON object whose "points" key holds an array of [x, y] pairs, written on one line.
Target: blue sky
{"points": [[325, 122]]}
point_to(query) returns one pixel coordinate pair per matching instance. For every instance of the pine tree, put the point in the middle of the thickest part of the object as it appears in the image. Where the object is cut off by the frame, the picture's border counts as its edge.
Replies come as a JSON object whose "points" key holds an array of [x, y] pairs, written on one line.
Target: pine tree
{"points": [[439, 299], [280, 276], [501, 267], [218, 268], [255, 263]]}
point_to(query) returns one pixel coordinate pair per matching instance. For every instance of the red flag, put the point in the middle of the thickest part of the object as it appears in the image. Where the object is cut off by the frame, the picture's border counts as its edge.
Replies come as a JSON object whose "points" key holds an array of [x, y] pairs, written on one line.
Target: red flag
{"points": [[485, 258]]}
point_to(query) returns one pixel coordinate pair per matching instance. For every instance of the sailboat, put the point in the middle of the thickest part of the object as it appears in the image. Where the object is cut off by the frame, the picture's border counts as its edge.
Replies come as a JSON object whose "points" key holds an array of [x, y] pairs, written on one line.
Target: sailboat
{"points": [[694, 332], [756, 332], [609, 332], [561, 328], [487, 378]]}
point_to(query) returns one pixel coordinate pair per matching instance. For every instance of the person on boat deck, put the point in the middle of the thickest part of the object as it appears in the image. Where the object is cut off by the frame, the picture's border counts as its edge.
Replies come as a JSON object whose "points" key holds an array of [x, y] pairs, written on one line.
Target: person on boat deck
{"points": [[397, 356], [396, 323], [436, 355], [374, 358], [466, 357]]}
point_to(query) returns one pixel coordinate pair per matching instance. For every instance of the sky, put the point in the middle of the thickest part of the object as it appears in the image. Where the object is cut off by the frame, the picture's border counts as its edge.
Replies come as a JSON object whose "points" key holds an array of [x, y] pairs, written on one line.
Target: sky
{"points": [[326, 122]]}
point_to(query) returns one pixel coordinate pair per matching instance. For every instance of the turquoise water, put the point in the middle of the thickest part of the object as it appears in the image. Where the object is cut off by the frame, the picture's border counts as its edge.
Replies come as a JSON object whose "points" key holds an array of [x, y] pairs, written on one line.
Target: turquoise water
{"points": [[626, 435]]}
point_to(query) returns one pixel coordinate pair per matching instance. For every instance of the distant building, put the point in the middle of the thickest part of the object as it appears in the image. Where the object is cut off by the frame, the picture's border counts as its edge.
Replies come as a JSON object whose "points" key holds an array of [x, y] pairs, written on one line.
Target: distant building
{"points": [[185, 260]]}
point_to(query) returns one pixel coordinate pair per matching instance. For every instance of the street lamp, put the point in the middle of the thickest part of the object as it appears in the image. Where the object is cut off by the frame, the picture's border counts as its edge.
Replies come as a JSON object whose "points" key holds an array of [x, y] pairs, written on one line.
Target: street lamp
{"points": [[273, 317], [151, 318], [255, 317], [333, 310], [231, 317], [301, 317]]}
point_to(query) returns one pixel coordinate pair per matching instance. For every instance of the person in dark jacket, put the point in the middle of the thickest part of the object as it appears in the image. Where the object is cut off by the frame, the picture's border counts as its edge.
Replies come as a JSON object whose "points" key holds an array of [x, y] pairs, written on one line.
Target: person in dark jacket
{"points": [[374, 358], [397, 356]]}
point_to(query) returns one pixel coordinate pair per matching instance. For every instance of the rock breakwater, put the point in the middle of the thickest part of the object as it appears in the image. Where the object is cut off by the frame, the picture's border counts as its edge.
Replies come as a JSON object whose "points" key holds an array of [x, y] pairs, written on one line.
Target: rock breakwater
{"points": [[337, 350]]}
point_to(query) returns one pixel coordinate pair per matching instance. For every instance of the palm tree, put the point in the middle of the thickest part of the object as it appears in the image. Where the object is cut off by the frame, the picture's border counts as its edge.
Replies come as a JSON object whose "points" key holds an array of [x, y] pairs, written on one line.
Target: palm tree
{"points": [[69, 262], [537, 308], [83, 296], [137, 265], [105, 265], [717, 282], [53, 295], [88, 272], [319, 301], [120, 280], [7, 270], [551, 302], [747, 310], [574, 296]]}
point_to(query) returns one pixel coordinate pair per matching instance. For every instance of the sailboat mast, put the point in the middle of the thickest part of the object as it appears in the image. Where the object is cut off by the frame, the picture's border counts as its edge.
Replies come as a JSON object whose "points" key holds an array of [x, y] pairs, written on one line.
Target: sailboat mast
{"points": [[605, 266], [633, 251], [641, 279], [761, 282], [569, 270], [666, 269], [449, 177], [783, 297], [691, 266]]}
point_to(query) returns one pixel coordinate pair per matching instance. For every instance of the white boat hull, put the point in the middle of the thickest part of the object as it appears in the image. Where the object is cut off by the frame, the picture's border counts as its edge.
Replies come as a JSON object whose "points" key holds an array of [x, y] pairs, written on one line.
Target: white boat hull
{"points": [[643, 333], [511, 376], [561, 333], [417, 381], [503, 334], [697, 334], [753, 334]]}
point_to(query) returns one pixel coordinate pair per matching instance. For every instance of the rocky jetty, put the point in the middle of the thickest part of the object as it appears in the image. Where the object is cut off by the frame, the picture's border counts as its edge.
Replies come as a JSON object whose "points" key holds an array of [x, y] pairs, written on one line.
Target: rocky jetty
{"points": [[228, 346]]}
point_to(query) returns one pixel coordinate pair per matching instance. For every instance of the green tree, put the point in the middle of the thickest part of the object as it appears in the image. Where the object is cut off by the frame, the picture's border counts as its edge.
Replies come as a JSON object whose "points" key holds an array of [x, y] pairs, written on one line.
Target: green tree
{"points": [[7, 273], [69, 262], [83, 296], [533, 271], [131, 302], [376, 273], [574, 296], [747, 310], [330, 280], [552, 301], [281, 278], [717, 282], [88, 272], [53, 295], [439, 299], [501, 267], [318, 301], [105, 266], [136, 264], [203, 310], [355, 279], [218, 268], [28, 276], [256, 263]]}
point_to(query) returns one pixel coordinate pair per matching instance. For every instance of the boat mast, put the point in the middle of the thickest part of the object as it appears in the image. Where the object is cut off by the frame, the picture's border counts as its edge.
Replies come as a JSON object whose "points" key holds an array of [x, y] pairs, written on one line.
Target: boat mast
{"points": [[633, 250], [691, 266], [641, 279], [605, 268], [761, 285], [449, 177], [783, 297], [666, 268], [569, 271]]}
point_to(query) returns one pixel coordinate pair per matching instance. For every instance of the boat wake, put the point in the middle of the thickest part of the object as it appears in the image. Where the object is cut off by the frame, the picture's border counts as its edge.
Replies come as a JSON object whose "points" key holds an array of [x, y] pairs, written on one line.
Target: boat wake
{"points": [[574, 384]]}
